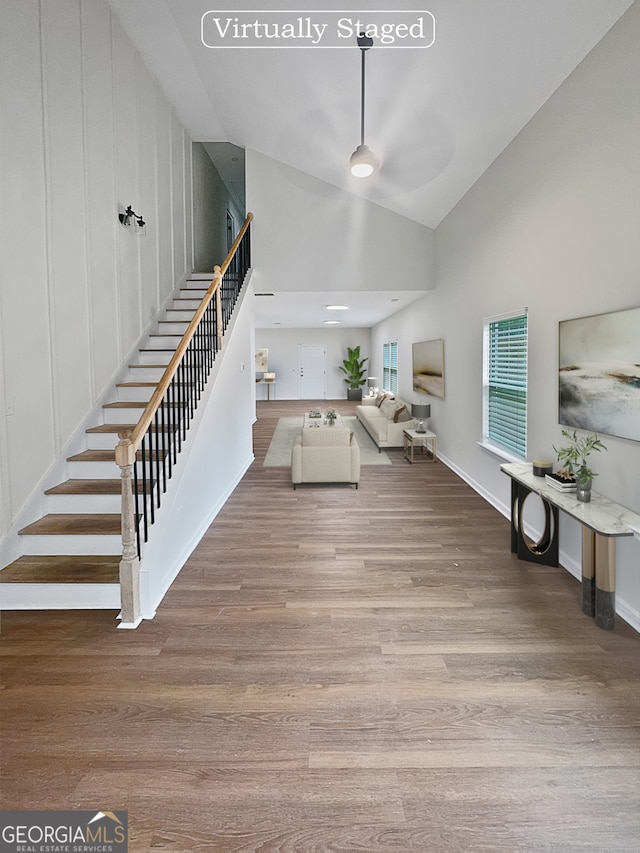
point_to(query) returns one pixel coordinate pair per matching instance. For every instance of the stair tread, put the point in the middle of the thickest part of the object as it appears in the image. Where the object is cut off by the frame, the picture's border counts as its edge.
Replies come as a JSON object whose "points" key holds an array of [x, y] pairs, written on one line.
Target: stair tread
{"points": [[111, 428], [136, 384], [104, 456], [70, 569], [86, 487], [64, 524], [147, 366], [93, 456], [125, 404]]}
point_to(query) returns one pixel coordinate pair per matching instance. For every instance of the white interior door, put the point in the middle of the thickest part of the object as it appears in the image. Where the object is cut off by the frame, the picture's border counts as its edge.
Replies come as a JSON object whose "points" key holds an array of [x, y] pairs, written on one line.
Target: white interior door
{"points": [[313, 384]]}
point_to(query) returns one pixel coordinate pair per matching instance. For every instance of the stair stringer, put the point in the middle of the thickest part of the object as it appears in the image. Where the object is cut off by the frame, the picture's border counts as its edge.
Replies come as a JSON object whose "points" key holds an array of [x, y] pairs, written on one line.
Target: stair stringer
{"points": [[214, 458]]}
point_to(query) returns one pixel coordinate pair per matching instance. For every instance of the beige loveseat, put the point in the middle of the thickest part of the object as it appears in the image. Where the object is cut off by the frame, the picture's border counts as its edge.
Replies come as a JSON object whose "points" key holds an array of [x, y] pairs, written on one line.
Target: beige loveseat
{"points": [[385, 422], [325, 455]]}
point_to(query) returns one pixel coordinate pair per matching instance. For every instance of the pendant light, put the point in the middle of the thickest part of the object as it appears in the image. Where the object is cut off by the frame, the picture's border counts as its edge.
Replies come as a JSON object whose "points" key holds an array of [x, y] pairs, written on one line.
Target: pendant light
{"points": [[363, 162]]}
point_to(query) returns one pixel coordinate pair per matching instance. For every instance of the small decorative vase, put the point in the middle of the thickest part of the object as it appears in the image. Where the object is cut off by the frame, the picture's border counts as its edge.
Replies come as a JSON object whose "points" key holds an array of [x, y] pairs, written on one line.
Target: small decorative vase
{"points": [[583, 490]]}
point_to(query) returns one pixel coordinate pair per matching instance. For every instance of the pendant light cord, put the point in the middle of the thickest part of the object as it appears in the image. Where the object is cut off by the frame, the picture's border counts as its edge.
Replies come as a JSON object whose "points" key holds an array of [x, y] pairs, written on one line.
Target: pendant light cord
{"points": [[362, 100]]}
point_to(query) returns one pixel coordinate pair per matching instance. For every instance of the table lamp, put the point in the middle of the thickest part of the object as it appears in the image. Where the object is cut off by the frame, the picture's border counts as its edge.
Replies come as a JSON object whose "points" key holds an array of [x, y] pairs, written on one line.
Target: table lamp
{"points": [[421, 412]]}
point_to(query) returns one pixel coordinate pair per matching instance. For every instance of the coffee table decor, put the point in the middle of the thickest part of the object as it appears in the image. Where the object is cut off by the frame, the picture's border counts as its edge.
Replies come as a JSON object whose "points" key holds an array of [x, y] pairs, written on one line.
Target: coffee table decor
{"points": [[279, 452]]}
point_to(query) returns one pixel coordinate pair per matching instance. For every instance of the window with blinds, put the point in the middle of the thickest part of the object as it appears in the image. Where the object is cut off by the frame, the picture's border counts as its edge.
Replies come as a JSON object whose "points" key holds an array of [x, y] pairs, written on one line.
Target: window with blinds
{"points": [[390, 367], [505, 382]]}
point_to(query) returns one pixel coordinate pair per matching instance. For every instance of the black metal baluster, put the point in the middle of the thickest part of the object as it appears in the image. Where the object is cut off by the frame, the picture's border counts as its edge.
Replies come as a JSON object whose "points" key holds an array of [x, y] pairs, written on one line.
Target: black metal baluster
{"points": [[136, 498], [141, 451], [157, 459]]}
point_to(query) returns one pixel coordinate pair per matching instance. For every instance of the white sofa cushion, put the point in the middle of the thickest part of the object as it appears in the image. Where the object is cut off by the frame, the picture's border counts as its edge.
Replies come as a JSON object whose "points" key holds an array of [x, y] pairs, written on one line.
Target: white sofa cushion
{"points": [[380, 425], [326, 437]]}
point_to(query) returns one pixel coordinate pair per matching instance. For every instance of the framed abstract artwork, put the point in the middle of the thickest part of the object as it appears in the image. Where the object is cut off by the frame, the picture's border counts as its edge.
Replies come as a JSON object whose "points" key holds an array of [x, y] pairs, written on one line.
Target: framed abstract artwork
{"points": [[599, 373], [428, 367], [262, 360]]}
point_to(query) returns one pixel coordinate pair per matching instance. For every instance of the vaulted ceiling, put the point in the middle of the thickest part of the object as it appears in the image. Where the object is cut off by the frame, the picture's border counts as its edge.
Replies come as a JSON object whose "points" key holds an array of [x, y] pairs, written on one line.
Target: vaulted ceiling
{"points": [[436, 116]]}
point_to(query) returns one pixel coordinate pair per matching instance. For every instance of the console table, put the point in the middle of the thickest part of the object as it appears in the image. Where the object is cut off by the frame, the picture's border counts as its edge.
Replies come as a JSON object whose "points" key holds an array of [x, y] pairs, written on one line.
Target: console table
{"points": [[270, 383], [602, 521]]}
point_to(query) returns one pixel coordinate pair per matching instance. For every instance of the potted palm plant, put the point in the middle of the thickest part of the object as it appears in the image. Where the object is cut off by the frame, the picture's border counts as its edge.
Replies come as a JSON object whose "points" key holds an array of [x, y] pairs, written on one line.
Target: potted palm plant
{"points": [[574, 459], [353, 368]]}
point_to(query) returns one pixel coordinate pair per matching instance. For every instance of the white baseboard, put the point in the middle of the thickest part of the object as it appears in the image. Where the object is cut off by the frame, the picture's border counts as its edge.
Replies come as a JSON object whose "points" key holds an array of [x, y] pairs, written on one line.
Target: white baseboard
{"points": [[568, 562]]}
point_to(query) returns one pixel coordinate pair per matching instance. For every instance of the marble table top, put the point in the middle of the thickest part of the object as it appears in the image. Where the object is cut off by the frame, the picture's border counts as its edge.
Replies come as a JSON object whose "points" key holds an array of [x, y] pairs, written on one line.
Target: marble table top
{"points": [[600, 514]]}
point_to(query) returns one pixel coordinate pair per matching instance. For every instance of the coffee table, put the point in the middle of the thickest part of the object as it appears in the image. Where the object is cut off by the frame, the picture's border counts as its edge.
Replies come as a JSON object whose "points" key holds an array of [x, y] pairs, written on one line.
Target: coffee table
{"points": [[321, 421]]}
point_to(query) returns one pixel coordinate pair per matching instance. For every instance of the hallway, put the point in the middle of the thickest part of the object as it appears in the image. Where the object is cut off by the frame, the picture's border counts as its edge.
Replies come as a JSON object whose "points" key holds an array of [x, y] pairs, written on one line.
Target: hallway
{"points": [[336, 670]]}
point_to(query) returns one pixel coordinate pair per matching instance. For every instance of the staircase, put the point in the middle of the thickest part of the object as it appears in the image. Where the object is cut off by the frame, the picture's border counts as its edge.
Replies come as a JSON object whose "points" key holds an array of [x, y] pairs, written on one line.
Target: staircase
{"points": [[71, 555]]}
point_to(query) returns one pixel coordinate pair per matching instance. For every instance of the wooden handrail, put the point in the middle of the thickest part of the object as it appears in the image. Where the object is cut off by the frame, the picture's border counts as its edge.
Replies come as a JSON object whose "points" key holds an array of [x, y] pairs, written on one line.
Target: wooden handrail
{"points": [[138, 433], [131, 440]]}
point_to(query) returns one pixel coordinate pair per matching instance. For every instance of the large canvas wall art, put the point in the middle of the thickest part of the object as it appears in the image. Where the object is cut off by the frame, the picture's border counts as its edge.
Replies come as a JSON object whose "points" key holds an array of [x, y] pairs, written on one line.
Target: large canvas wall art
{"points": [[599, 373], [428, 368]]}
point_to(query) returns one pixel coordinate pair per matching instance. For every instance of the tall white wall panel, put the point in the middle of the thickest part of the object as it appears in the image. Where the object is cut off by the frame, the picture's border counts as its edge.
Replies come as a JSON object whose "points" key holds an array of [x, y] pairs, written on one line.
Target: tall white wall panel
{"points": [[164, 190], [100, 192], [84, 131], [177, 182], [126, 177], [27, 366], [146, 94], [66, 214]]}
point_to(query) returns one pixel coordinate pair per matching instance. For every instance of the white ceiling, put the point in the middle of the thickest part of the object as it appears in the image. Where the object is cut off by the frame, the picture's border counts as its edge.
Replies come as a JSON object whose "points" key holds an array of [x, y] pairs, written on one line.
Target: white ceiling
{"points": [[309, 310], [436, 117]]}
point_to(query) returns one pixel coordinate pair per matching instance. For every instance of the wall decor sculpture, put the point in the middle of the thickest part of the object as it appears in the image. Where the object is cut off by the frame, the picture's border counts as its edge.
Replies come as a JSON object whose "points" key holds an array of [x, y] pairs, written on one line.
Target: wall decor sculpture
{"points": [[599, 373], [428, 367]]}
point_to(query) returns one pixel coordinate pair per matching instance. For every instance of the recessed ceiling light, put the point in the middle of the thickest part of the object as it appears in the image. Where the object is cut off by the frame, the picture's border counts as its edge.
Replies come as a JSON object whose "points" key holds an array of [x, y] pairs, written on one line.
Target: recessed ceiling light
{"points": [[394, 300], [337, 307], [332, 322]]}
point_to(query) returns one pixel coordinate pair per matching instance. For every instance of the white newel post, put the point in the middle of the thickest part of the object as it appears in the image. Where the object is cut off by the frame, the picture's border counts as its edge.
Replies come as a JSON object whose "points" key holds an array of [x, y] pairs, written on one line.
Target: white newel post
{"points": [[130, 562]]}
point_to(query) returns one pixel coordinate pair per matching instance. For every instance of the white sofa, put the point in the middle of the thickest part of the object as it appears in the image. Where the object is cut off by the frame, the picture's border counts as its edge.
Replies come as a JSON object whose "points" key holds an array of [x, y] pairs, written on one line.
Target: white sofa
{"points": [[385, 419], [325, 455]]}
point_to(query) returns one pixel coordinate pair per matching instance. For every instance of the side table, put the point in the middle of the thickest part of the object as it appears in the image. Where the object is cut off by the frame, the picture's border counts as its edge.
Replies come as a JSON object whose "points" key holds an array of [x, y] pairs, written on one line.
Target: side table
{"points": [[426, 440]]}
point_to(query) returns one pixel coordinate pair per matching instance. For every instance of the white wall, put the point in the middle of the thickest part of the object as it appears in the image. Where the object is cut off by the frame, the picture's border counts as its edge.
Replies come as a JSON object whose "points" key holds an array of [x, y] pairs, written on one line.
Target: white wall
{"points": [[553, 225], [214, 457], [284, 358], [85, 131], [211, 200], [310, 236]]}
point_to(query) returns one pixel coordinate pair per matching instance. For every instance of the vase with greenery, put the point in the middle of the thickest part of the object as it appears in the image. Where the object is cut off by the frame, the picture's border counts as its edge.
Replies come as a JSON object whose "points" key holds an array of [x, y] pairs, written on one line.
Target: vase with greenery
{"points": [[574, 457], [353, 368], [331, 416]]}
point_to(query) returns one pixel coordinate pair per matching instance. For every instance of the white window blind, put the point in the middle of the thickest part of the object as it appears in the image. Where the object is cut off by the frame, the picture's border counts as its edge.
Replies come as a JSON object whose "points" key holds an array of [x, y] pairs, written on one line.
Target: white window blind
{"points": [[390, 367], [505, 391]]}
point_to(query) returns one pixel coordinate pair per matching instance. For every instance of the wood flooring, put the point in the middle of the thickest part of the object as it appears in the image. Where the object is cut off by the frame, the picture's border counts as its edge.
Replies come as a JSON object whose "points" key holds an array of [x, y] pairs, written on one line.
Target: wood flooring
{"points": [[336, 670]]}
